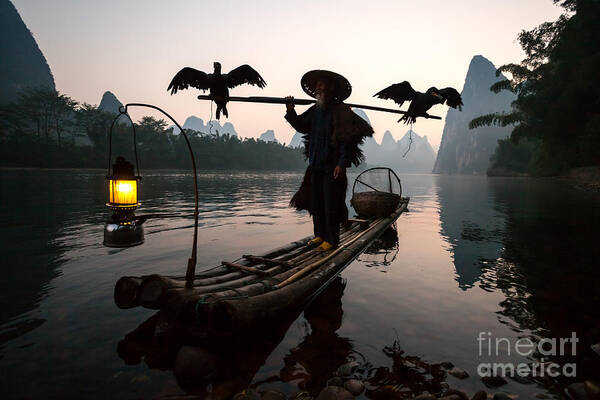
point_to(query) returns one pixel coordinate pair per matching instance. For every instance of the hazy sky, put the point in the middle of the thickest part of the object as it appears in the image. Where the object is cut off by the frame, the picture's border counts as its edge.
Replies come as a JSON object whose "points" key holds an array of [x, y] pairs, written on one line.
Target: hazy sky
{"points": [[133, 48]]}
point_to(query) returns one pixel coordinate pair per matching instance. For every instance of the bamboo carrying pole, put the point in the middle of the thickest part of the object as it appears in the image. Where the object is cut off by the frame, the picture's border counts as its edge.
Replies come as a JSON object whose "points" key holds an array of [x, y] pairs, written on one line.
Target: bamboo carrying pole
{"points": [[303, 102]]}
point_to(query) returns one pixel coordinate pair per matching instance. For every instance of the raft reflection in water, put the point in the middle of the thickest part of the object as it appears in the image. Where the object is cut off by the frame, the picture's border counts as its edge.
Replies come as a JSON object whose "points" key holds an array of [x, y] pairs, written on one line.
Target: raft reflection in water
{"points": [[227, 366], [383, 251], [221, 368]]}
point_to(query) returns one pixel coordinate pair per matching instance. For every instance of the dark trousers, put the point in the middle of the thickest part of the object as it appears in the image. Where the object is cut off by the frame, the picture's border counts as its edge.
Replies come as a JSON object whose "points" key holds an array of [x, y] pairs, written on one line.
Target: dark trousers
{"points": [[323, 203]]}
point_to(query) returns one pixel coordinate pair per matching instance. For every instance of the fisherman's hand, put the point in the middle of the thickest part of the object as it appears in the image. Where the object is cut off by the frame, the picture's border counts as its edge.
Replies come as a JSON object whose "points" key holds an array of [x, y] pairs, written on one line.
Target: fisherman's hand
{"points": [[289, 103], [339, 171]]}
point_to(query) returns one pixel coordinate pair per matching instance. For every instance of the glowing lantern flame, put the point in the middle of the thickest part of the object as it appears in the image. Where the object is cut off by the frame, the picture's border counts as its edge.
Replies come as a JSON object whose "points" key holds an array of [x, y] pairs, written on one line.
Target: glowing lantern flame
{"points": [[122, 186]]}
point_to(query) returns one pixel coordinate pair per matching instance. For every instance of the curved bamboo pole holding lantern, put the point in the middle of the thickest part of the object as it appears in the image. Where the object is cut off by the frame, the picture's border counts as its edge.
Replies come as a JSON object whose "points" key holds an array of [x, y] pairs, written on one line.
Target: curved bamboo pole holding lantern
{"points": [[191, 266]]}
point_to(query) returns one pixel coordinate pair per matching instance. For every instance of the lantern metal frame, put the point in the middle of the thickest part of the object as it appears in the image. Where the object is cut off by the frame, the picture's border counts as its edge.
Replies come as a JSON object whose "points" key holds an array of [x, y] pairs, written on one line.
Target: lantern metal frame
{"points": [[112, 177], [191, 266]]}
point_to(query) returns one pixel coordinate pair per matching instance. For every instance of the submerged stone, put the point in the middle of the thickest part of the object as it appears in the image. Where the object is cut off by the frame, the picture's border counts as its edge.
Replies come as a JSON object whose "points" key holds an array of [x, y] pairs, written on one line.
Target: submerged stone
{"points": [[334, 393], [494, 381], [459, 373], [354, 386], [481, 395]]}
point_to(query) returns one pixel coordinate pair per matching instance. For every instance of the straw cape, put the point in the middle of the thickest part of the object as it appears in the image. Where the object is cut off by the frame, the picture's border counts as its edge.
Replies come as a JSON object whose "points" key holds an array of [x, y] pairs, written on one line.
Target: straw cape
{"points": [[347, 127]]}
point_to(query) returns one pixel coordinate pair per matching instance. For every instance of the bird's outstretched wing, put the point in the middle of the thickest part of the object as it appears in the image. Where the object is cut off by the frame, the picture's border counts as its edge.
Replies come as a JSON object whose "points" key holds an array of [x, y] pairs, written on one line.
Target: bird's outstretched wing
{"points": [[451, 97], [189, 77], [399, 92], [245, 74]]}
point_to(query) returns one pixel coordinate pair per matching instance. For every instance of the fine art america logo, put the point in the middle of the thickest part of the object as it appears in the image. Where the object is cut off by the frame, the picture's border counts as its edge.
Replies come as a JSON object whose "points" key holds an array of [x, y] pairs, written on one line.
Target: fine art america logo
{"points": [[490, 347]]}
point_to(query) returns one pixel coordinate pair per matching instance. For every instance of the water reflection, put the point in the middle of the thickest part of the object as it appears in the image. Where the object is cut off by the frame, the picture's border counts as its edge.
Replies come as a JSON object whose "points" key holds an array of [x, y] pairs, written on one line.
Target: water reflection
{"points": [[548, 268], [532, 242], [513, 256], [34, 240], [383, 251], [472, 225], [223, 367]]}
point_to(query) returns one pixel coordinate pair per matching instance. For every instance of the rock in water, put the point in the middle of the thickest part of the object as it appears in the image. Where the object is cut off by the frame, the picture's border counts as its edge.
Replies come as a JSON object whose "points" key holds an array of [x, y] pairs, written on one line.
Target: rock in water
{"points": [[455, 392], [347, 369], [334, 393], [481, 395], [248, 394], [464, 150], [494, 381], [193, 366], [354, 386], [23, 64], [425, 396], [592, 389], [272, 395], [459, 373], [336, 381]]}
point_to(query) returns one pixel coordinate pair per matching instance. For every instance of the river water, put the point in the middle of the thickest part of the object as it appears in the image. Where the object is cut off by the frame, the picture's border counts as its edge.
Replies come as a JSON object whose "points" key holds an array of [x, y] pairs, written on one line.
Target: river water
{"points": [[513, 257]]}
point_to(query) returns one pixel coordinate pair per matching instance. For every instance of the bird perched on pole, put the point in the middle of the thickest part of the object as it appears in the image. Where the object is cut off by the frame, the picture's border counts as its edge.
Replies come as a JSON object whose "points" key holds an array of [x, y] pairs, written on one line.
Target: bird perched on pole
{"points": [[217, 83], [419, 102]]}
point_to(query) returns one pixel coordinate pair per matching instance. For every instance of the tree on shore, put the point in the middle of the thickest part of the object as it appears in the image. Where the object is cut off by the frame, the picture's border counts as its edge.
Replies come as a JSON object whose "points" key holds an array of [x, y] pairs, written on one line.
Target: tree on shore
{"points": [[558, 98], [33, 132]]}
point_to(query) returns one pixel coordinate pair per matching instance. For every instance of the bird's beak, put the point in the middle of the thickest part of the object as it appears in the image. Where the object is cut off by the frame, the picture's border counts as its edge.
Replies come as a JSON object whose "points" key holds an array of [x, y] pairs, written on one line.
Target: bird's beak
{"points": [[439, 96]]}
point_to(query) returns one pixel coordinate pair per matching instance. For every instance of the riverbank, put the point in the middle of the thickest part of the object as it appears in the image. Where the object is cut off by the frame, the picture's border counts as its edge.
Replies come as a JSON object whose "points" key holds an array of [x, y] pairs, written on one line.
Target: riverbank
{"points": [[585, 178]]}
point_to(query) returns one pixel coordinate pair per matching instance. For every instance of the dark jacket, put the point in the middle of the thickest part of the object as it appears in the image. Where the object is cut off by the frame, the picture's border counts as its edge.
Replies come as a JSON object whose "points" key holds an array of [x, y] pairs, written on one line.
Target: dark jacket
{"points": [[348, 129]]}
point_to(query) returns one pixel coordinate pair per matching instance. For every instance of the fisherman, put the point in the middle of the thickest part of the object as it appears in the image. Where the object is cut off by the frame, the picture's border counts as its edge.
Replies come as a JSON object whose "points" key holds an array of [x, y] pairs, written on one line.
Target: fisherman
{"points": [[332, 133]]}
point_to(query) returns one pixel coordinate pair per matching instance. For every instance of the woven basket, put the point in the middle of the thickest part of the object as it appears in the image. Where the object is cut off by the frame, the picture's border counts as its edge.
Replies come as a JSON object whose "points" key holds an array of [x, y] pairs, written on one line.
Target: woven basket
{"points": [[375, 204]]}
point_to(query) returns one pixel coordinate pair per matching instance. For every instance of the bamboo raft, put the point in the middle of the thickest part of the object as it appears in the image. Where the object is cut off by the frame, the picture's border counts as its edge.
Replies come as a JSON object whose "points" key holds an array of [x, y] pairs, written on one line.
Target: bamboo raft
{"points": [[235, 296]]}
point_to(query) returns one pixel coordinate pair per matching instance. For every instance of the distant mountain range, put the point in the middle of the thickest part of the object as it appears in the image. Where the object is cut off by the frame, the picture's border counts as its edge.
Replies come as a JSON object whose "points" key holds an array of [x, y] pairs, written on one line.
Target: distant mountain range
{"points": [[389, 153], [23, 65], [466, 151], [268, 136], [211, 127]]}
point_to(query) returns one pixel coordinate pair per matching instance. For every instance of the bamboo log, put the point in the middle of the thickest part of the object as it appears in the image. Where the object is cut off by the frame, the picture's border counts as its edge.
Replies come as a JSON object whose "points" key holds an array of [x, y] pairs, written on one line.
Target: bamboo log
{"points": [[270, 254], [156, 290], [362, 222], [230, 316], [289, 256], [265, 260], [247, 283], [253, 287], [127, 291], [251, 270], [314, 265], [282, 100], [230, 281], [281, 253]]}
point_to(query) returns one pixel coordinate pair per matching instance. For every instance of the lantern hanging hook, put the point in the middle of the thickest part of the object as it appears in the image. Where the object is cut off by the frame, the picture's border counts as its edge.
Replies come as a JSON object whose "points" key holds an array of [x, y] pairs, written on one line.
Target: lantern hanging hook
{"points": [[191, 267]]}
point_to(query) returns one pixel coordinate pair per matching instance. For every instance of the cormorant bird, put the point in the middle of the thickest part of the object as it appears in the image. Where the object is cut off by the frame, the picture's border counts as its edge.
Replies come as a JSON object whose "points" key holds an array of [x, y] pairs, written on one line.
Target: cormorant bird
{"points": [[217, 83], [420, 102]]}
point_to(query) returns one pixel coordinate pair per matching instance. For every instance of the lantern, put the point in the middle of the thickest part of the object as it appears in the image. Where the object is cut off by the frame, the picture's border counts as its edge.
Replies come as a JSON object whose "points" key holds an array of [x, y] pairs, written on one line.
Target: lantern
{"points": [[122, 186], [123, 228]]}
